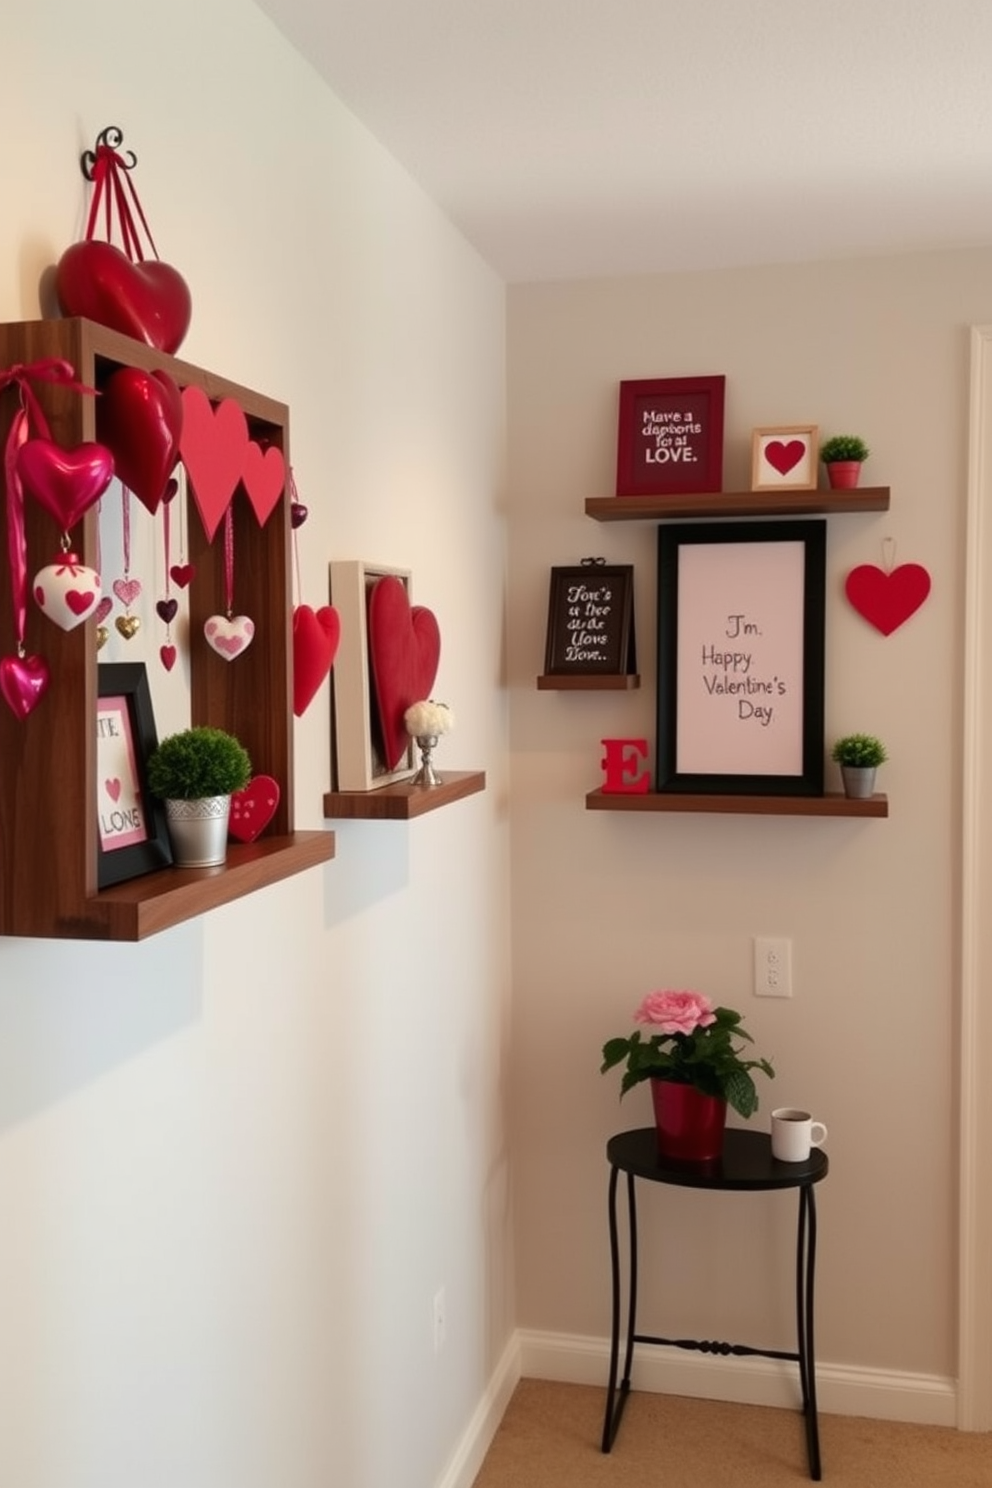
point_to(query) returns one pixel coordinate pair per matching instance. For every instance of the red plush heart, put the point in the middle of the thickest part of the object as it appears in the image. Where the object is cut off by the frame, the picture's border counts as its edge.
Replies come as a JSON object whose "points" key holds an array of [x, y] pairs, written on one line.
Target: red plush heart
{"points": [[404, 650], [148, 301], [65, 482], [784, 457], [315, 645], [213, 447], [23, 683], [139, 416], [264, 477], [885, 600], [253, 808], [182, 574]]}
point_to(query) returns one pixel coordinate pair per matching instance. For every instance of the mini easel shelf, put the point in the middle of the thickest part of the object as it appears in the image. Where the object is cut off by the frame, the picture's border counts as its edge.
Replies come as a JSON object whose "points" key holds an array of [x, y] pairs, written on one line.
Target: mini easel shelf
{"points": [[832, 804], [401, 802], [590, 682], [737, 504]]}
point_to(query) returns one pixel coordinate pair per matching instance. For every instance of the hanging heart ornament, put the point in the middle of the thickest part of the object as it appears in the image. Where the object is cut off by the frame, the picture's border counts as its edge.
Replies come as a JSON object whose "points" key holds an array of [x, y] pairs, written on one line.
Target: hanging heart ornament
{"points": [[140, 418], [886, 600], [315, 643], [65, 482], [148, 301], [23, 683], [229, 637], [67, 591]]}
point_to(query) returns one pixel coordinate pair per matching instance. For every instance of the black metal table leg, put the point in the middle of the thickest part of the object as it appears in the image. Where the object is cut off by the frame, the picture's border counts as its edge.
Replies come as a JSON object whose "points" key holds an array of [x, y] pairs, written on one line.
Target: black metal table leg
{"points": [[805, 1273], [614, 1403]]}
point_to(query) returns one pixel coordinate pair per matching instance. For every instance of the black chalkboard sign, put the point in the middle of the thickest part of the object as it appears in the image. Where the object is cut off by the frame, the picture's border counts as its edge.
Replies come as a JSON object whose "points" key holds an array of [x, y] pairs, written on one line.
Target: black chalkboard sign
{"points": [[591, 620]]}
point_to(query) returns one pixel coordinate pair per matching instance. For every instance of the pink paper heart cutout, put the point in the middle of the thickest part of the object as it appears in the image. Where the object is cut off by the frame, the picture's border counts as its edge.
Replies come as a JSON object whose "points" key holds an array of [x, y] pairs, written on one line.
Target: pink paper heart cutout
{"points": [[103, 609], [783, 456], [886, 600], [404, 650], [182, 574], [23, 682], [264, 477], [113, 788], [315, 645], [253, 808], [65, 482], [127, 590], [139, 416], [167, 655], [229, 637], [148, 301], [213, 446]]}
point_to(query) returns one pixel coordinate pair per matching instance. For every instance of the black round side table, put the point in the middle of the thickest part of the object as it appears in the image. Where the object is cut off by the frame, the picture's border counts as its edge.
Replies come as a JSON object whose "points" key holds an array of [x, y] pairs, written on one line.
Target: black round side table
{"points": [[746, 1165]]}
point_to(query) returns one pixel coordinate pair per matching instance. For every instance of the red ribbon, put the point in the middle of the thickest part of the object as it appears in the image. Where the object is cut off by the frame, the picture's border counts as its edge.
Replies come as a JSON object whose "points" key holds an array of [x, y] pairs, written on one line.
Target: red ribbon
{"points": [[110, 176]]}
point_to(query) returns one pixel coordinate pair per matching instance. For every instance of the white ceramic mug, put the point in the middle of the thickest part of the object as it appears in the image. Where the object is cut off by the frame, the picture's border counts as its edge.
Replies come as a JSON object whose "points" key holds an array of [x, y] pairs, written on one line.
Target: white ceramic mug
{"points": [[794, 1133]]}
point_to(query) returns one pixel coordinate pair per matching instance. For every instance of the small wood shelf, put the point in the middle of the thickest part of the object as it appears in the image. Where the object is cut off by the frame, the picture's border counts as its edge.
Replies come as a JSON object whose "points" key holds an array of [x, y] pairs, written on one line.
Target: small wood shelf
{"points": [[589, 682], [737, 504], [834, 803], [157, 901], [401, 802]]}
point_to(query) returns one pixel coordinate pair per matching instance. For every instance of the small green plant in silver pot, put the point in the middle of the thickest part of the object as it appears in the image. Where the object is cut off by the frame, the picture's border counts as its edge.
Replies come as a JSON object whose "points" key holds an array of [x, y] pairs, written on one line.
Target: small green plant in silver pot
{"points": [[859, 756], [195, 772]]}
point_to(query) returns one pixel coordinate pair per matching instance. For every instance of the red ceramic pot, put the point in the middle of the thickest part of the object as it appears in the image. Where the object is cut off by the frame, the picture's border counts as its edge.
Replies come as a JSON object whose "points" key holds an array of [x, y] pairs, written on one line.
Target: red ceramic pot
{"points": [[843, 475], [690, 1124]]}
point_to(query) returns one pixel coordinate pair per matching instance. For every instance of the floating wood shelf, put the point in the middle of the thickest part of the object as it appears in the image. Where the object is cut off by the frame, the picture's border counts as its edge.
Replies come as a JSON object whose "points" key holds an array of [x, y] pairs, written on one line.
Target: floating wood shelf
{"points": [[401, 802], [831, 804], [737, 504], [589, 682]]}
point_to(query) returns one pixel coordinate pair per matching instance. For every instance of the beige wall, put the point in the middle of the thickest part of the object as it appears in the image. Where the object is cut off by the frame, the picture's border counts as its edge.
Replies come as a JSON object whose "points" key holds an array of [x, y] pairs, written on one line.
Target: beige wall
{"points": [[238, 1160], [607, 907]]}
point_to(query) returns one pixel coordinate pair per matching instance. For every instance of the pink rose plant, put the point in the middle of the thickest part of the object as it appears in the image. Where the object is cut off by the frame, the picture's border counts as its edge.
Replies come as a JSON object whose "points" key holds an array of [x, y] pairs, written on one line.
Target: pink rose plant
{"points": [[690, 1042]]}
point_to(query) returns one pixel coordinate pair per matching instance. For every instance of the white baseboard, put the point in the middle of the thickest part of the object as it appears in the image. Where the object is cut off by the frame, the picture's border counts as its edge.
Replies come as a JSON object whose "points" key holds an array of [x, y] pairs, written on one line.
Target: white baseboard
{"points": [[929, 1400], [463, 1469]]}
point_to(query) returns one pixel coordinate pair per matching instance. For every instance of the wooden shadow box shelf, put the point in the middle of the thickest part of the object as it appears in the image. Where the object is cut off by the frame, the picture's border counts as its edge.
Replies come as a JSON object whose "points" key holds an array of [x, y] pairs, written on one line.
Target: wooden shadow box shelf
{"points": [[590, 682], [401, 802], [831, 804], [49, 883], [737, 504]]}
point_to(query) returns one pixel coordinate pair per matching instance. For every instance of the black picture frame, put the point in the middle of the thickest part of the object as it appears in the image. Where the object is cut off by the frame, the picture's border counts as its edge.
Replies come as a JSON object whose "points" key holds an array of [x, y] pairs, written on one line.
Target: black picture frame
{"points": [[591, 621], [144, 835], [741, 630]]}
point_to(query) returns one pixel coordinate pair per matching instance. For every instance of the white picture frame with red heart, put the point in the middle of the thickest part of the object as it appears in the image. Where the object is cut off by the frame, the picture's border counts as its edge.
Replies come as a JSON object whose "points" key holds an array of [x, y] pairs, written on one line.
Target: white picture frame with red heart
{"points": [[386, 659], [785, 458]]}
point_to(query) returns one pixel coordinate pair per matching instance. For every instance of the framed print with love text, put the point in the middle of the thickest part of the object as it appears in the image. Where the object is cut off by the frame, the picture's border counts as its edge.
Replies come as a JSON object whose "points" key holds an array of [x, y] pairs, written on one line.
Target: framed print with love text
{"points": [[132, 834], [670, 436], [741, 657], [785, 458]]}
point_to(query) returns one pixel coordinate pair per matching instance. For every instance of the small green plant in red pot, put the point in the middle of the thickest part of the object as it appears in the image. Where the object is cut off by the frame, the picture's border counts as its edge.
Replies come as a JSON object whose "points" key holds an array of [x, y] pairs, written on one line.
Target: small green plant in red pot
{"points": [[695, 1068], [843, 456]]}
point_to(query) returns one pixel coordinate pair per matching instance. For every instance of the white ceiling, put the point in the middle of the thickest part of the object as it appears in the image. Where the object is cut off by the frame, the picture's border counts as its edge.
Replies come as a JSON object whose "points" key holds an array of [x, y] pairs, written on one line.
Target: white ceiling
{"points": [[574, 138]]}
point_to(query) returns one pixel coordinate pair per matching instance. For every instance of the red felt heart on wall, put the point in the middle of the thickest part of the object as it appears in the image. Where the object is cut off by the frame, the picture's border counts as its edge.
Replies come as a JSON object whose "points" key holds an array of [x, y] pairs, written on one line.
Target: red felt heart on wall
{"points": [[404, 650], [213, 447], [139, 416], [886, 600], [253, 808], [65, 481], [784, 456], [149, 301], [315, 645], [264, 476]]}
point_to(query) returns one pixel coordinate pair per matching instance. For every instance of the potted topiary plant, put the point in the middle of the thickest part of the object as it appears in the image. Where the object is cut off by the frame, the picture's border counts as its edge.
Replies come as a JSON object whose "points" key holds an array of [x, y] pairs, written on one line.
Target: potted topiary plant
{"points": [[195, 772], [859, 756], [843, 456]]}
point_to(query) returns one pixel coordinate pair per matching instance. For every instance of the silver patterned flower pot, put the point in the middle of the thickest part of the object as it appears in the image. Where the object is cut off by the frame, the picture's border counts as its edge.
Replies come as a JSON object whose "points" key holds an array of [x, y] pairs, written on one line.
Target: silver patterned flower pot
{"points": [[859, 781], [198, 831]]}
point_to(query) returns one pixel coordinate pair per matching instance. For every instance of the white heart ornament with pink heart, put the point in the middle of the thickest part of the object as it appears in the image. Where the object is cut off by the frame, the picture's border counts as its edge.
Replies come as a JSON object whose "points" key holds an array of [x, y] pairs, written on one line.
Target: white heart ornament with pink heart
{"points": [[67, 591], [229, 637]]}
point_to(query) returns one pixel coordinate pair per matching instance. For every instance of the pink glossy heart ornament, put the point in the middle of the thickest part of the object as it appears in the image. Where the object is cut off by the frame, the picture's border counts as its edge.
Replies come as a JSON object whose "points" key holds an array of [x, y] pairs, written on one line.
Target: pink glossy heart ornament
{"points": [[253, 808], [229, 637], [404, 649], [139, 416], [67, 591], [263, 477], [886, 600], [149, 301], [213, 447], [316, 636], [23, 682], [66, 482]]}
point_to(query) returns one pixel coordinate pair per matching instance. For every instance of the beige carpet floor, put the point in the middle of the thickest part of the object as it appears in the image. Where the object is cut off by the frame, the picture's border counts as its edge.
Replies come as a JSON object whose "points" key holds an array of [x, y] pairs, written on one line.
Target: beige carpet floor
{"points": [[550, 1438]]}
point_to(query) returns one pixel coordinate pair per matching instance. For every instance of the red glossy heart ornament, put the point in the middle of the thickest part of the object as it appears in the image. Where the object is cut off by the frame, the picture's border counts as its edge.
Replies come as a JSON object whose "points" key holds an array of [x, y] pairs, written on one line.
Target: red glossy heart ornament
{"points": [[784, 456], [404, 650], [315, 645], [148, 301], [23, 683], [213, 447], [886, 600], [264, 476], [65, 482], [253, 808], [139, 416]]}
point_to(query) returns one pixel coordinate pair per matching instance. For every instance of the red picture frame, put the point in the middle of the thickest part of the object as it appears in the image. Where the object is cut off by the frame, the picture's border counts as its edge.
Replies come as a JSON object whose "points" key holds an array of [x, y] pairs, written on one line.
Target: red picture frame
{"points": [[670, 436]]}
